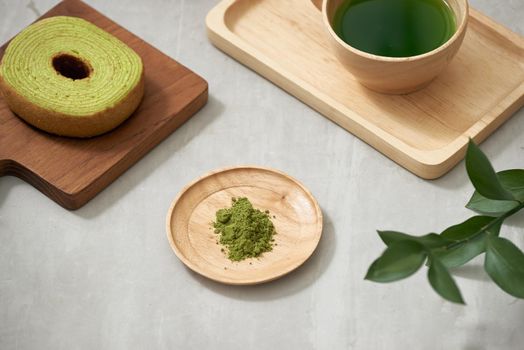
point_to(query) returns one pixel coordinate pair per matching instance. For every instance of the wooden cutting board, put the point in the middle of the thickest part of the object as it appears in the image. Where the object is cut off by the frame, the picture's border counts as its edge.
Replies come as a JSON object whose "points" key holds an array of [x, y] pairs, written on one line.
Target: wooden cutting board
{"points": [[72, 171], [427, 131]]}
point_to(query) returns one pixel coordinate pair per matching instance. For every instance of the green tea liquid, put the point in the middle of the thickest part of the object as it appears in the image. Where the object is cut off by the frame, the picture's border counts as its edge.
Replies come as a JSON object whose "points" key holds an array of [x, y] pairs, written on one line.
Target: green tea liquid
{"points": [[395, 28]]}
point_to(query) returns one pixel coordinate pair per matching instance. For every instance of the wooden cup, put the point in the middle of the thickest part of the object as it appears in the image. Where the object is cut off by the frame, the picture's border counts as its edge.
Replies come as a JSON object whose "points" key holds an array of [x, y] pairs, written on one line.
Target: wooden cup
{"points": [[395, 75]]}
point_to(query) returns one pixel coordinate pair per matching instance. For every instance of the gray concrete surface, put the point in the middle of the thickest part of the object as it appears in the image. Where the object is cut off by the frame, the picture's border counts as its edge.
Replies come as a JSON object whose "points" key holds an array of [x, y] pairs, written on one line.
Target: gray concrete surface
{"points": [[104, 277]]}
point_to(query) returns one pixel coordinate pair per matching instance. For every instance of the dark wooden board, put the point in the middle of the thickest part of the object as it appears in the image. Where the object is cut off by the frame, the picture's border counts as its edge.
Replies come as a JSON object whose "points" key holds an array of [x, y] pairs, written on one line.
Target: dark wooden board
{"points": [[72, 171]]}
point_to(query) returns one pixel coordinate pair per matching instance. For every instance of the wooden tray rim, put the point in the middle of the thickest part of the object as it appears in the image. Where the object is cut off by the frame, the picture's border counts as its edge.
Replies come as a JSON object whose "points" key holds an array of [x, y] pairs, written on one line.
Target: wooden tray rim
{"points": [[432, 161]]}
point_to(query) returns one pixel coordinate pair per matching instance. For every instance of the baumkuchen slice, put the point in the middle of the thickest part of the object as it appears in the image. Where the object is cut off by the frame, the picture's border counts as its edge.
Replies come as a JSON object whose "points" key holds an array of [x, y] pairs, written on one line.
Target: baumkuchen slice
{"points": [[68, 77]]}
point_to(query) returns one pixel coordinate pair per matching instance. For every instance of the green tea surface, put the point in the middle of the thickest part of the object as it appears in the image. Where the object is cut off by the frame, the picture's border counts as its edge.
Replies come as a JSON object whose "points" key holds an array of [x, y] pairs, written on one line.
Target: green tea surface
{"points": [[395, 28]]}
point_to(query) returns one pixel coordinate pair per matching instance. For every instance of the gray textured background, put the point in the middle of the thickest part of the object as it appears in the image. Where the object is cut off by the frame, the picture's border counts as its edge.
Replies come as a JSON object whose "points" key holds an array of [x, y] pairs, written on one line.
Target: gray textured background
{"points": [[104, 277]]}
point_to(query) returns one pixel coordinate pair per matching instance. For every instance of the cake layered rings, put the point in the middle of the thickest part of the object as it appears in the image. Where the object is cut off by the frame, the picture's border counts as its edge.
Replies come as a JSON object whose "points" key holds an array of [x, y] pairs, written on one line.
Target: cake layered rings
{"points": [[68, 77]]}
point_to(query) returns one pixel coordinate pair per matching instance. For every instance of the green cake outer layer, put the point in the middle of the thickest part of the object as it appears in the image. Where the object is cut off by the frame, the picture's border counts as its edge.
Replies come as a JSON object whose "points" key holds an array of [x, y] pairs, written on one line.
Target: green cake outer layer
{"points": [[27, 66]]}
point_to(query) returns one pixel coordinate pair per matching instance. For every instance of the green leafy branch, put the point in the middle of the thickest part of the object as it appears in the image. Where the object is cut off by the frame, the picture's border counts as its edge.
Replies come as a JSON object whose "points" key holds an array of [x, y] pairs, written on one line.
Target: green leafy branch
{"points": [[497, 197]]}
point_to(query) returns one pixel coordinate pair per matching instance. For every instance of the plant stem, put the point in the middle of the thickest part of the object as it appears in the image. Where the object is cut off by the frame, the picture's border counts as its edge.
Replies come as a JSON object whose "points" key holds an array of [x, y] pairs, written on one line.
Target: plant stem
{"points": [[485, 229]]}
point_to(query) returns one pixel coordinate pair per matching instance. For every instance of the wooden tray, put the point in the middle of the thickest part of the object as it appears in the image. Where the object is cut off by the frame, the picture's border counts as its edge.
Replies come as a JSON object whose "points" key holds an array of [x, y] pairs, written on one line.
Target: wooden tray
{"points": [[72, 171], [295, 214], [426, 132]]}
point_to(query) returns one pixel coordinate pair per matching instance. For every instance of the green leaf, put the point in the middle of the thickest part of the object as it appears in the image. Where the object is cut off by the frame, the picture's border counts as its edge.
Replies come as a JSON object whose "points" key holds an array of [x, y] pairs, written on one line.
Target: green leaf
{"points": [[399, 260], [482, 175], [490, 207], [461, 254], [443, 283], [431, 240], [468, 228], [505, 265], [511, 180]]}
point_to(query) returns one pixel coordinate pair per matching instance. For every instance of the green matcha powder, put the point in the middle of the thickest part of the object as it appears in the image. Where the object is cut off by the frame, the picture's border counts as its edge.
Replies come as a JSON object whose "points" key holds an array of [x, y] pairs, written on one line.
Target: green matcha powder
{"points": [[246, 232]]}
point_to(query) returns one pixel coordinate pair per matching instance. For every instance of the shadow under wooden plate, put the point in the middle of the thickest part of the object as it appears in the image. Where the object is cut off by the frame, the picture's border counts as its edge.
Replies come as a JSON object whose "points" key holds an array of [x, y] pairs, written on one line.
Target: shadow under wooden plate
{"points": [[72, 171], [298, 223], [427, 131]]}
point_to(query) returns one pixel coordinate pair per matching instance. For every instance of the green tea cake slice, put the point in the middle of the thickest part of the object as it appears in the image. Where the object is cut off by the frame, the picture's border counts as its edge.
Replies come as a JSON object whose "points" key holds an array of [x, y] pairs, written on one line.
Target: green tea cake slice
{"points": [[68, 77]]}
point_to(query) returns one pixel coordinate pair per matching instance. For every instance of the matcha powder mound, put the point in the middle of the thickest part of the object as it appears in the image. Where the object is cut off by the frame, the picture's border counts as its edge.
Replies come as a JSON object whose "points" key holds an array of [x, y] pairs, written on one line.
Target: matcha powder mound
{"points": [[246, 232]]}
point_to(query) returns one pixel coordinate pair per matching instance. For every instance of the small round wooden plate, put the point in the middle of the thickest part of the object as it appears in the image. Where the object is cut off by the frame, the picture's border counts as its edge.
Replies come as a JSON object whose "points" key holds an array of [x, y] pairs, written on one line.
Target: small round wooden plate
{"points": [[298, 223]]}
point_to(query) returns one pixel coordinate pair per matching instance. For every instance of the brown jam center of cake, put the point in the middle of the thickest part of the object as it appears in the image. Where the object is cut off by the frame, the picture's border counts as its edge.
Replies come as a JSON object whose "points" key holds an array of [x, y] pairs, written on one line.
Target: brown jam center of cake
{"points": [[71, 67]]}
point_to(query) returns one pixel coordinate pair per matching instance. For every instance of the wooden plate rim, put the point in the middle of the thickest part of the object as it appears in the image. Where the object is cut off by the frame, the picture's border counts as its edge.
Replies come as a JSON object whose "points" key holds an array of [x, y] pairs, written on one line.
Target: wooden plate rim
{"points": [[191, 266]]}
